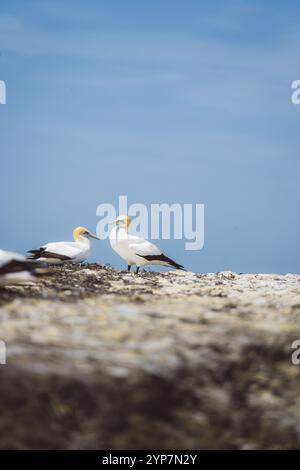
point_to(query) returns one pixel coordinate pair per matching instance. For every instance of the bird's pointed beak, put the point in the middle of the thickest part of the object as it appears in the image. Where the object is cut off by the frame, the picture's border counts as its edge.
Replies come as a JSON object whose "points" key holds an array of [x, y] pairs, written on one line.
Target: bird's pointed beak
{"points": [[114, 222], [91, 235]]}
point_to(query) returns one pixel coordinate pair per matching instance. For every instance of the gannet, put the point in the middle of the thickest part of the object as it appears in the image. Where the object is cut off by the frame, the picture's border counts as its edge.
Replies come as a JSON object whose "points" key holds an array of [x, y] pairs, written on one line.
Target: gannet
{"points": [[16, 269], [61, 252], [135, 250]]}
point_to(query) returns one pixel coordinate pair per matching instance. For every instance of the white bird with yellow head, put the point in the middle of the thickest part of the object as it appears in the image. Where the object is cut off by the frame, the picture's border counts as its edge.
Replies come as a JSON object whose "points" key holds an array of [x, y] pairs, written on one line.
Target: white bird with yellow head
{"points": [[61, 252], [136, 251]]}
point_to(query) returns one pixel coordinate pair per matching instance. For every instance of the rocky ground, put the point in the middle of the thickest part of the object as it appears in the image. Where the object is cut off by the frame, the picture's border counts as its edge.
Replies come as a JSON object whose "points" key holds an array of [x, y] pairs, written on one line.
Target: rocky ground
{"points": [[102, 359]]}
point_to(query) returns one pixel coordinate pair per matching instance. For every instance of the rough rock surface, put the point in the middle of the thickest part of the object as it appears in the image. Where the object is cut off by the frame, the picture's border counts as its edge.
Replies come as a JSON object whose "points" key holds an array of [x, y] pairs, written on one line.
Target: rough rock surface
{"points": [[102, 359]]}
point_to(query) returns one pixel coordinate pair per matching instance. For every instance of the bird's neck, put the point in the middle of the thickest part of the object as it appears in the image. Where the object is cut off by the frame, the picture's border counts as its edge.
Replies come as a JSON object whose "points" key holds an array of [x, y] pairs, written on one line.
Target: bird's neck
{"points": [[84, 241], [118, 233]]}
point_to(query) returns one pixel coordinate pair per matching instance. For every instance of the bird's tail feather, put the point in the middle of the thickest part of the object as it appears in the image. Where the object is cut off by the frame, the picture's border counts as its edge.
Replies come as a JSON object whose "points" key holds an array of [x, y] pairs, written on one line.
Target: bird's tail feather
{"points": [[35, 254]]}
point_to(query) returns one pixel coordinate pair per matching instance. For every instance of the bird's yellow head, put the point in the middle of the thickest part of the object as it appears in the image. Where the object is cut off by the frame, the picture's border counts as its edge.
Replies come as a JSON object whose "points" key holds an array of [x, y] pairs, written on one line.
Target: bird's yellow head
{"points": [[80, 233], [123, 221]]}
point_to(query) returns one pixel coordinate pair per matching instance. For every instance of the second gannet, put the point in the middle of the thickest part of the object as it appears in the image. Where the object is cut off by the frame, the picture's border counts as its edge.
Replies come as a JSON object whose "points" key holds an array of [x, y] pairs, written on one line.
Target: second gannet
{"points": [[61, 252], [135, 250], [16, 269]]}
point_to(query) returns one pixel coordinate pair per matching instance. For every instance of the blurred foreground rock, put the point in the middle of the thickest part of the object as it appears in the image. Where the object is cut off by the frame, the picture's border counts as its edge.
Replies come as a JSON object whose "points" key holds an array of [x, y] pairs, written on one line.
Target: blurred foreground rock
{"points": [[98, 359]]}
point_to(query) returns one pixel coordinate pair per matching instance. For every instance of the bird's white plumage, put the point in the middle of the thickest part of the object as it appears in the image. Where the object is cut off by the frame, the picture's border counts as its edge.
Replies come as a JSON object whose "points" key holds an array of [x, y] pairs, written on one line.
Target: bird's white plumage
{"points": [[143, 247], [77, 251], [7, 256]]}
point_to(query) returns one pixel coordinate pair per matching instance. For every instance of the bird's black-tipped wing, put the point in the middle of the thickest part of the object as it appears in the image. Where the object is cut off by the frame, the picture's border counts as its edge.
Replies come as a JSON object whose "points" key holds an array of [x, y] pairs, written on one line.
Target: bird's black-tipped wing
{"points": [[43, 253], [162, 259]]}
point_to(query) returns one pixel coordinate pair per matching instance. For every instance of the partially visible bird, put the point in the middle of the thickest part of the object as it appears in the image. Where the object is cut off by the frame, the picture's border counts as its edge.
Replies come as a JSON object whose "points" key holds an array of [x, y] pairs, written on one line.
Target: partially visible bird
{"points": [[61, 252], [16, 269], [135, 250]]}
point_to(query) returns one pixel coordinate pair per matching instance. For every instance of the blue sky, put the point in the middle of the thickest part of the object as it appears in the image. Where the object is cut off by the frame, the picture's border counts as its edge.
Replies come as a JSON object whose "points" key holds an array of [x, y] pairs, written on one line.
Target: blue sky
{"points": [[164, 101]]}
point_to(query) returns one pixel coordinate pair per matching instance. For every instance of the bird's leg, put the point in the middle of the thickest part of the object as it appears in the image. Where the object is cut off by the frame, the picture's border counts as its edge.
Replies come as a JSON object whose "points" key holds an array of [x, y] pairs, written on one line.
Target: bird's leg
{"points": [[137, 270], [128, 268]]}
